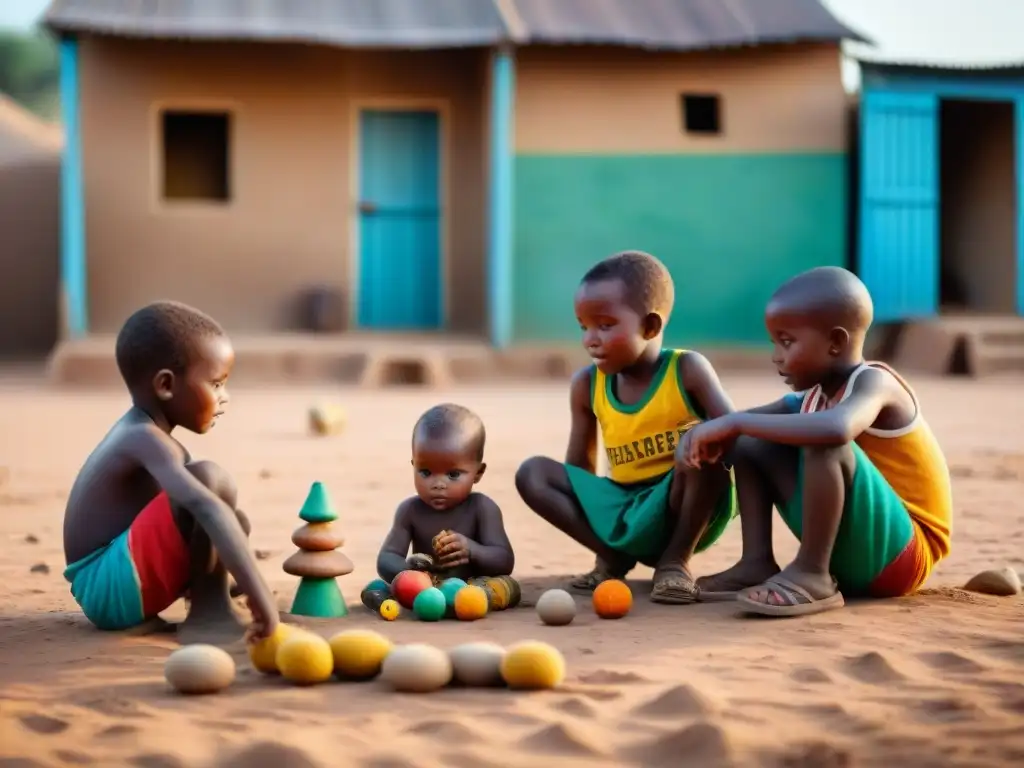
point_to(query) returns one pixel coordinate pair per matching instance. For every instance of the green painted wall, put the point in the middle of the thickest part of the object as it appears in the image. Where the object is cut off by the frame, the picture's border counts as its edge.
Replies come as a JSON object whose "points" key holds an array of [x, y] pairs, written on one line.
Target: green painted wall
{"points": [[730, 227]]}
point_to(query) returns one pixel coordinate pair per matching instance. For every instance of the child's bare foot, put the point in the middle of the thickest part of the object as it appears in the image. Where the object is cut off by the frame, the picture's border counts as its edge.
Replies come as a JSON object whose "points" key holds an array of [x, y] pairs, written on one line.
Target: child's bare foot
{"points": [[215, 628], [726, 584], [154, 626], [673, 585]]}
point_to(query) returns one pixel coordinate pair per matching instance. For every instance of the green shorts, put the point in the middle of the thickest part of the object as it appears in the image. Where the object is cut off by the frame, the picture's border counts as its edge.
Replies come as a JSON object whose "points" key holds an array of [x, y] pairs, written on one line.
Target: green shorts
{"points": [[878, 550], [632, 518]]}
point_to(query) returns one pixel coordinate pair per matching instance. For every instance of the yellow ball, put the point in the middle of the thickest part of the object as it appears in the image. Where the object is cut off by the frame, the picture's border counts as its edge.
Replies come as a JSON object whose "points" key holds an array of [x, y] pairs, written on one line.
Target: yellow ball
{"points": [[533, 665], [471, 603], [263, 653], [359, 653], [389, 610], [305, 659]]}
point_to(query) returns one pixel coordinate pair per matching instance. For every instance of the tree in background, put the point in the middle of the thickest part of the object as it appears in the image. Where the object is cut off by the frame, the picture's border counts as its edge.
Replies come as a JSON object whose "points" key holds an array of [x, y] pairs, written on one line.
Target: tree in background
{"points": [[30, 71]]}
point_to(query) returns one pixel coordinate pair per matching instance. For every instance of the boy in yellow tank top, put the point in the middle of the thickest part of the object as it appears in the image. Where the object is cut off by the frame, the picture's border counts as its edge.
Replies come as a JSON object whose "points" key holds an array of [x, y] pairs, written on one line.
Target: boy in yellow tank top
{"points": [[848, 460], [643, 399]]}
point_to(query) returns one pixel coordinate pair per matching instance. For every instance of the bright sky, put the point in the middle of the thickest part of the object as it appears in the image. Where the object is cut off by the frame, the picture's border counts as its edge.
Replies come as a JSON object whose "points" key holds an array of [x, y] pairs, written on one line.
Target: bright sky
{"points": [[21, 13]]}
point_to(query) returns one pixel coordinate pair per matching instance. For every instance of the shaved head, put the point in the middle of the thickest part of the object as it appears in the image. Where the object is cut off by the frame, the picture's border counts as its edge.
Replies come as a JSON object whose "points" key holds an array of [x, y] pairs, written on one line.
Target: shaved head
{"points": [[828, 296]]}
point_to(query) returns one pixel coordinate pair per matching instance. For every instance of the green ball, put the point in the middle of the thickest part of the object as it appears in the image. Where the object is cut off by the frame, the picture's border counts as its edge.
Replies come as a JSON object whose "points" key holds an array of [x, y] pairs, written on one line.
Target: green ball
{"points": [[429, 604], [448, 588], [375, 585]]}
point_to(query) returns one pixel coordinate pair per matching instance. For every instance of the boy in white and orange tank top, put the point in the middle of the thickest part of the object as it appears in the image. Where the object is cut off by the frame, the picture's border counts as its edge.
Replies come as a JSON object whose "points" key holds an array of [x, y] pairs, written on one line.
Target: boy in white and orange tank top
{"points": [[848, 460]]}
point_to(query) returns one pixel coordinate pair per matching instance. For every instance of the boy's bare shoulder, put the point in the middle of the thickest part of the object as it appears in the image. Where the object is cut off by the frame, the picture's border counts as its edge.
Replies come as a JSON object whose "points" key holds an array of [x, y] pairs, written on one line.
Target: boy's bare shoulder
{"points": [[135, 437], [693, 365], [482, 504], [581, 388]]}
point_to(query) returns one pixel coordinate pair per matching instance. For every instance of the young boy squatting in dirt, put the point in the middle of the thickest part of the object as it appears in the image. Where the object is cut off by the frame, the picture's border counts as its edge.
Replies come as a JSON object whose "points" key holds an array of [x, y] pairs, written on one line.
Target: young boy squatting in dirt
{"points": [[643, 398], [453, 530], [848, 460], [145, 524]]}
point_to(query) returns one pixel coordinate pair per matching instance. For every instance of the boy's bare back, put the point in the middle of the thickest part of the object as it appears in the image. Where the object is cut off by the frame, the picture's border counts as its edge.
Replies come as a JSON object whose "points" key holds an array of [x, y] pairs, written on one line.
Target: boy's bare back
{"points": [[113, 486]]}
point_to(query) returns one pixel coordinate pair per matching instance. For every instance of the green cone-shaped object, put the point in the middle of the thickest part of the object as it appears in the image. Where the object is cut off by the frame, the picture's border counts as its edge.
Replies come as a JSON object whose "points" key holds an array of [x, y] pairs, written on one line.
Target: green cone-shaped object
{"points": [[320, 598], [318, 508]]}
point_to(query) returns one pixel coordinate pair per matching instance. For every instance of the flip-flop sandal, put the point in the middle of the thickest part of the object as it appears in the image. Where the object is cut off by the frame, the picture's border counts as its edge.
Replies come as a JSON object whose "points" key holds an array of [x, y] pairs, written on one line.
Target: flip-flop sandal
{"points": [[719, 595], [588, 582], [797, 601], [673, 589]]}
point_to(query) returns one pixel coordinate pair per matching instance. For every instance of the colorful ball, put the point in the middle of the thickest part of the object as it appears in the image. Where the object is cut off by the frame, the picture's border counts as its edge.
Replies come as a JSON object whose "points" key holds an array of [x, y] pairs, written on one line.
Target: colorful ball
{"points": [[612, 599], [449, 587], [533, 666], [263, 653], [389, 610], [429, 605], [305, 659], [556, 607], [408, 584], [376, 585], [471, 603], [359, 653]]}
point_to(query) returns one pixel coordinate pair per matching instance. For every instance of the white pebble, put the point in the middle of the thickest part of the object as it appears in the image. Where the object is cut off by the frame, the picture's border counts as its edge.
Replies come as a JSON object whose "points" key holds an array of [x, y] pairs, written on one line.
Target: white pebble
{"points": [[556, 607], [199, 669], [417, 668], [477, 664]]}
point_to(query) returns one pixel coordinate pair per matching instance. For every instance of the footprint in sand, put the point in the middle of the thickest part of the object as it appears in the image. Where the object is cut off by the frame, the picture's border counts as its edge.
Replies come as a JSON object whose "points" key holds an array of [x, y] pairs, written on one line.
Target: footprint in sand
{"points": [[703, 743], [611, 677], [44, 724], [949, 661], [156, 760], [116, 731], [577, 707], [388, 762], [18, 762], [816, 755], [267, 754], [680, 701], [447, 731], [950, 709], [74, 758], [563, 740], [873, 668], [113, 706], [467, 760], [811, 675], [835, 718], [1011, 650]]}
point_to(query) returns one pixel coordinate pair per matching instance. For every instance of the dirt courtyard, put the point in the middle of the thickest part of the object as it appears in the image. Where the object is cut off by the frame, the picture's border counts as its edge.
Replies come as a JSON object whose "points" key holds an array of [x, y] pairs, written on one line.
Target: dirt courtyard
{"points": [[936, 679]]}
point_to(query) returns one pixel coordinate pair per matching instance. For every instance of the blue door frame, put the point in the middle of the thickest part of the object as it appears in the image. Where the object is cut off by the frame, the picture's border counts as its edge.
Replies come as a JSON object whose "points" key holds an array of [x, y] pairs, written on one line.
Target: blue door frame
{"points": [[399, 209], [899, 247]]}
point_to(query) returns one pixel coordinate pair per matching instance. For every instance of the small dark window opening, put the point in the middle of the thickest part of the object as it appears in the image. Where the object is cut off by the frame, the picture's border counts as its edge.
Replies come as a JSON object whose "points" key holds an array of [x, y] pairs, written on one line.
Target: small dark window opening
{"points": [[701, 113], [196, 156]]}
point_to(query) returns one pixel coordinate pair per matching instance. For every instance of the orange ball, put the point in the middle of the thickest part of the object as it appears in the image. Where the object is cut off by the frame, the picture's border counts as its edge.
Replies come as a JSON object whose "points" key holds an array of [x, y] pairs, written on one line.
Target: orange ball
{"points": [[612, 599], [471, 603]]}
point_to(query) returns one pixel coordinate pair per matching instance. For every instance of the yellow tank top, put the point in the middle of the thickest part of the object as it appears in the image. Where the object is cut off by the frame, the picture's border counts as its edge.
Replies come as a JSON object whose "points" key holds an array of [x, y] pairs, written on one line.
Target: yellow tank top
{"points": [[640, 439], [911, 461]]}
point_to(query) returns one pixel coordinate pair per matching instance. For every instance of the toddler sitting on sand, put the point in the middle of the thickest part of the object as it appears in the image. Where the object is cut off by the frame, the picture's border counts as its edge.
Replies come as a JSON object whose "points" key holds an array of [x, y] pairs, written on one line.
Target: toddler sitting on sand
{"points": [[849, 461], [453, 531], [145, 524]]}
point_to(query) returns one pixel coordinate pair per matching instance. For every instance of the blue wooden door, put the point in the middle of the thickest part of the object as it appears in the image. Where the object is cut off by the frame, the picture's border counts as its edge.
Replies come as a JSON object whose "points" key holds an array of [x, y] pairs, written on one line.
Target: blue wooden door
{"points": [[399, 220], [899, 205]]}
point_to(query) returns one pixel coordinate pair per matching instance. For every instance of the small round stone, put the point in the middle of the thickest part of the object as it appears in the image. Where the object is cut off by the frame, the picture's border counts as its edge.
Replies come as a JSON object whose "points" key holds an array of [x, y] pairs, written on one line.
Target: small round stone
{"points": [[556, 607]]}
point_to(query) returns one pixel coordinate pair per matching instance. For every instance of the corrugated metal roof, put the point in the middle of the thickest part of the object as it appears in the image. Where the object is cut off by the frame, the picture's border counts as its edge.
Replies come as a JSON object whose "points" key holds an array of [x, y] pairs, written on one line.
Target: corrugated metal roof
{"points": [[349, 23], [947, 34], [679, 24], [665, 24]]}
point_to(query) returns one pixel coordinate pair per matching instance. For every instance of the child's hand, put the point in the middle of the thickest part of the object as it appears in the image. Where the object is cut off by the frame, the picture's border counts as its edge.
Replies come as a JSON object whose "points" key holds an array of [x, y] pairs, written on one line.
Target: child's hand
{"points": [[264, 623], [705, 443], [452, 549]]}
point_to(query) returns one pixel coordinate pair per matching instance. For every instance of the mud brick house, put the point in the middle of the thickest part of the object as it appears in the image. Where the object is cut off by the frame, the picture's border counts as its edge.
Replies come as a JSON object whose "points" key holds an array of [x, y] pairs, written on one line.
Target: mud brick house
{"points": [[448, 165]]}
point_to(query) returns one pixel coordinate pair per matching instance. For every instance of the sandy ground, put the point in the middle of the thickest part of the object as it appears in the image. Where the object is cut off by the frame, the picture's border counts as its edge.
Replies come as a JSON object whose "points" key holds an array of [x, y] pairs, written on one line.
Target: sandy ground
{"points": [[935, 679]]}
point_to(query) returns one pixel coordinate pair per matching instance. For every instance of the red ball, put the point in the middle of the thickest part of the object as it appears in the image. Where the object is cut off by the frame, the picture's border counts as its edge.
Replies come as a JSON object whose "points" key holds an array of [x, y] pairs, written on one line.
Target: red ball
{"points": [[408, 584]]}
